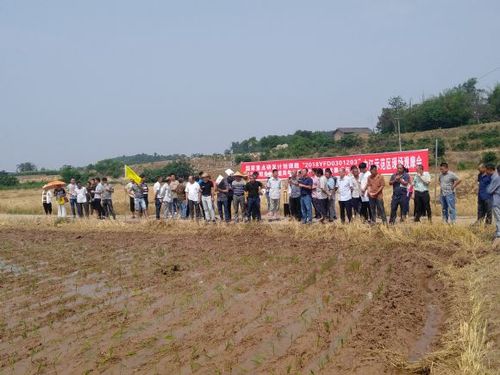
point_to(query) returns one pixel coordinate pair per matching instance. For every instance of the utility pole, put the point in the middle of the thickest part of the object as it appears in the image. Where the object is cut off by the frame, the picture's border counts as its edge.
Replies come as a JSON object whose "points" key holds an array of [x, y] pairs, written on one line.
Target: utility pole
{"points": [[399, 133]]}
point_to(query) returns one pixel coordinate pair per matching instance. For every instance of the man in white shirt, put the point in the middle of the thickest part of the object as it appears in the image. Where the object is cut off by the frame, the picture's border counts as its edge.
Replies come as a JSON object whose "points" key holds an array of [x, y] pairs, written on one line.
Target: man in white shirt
{"points": [[72, 196], [356, 190], [345, 195], [47, 201], [332, 189], [321, 195], [99, 189], [274, 187], [193, 197], [365, 200], [81, 199], [422, 202], [131, 198], [158, 199], [168, 201]]}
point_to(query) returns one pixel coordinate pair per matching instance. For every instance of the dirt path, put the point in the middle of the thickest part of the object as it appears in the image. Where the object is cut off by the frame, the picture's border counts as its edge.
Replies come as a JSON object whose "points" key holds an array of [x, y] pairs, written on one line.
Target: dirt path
{"points": [[254, 302]]}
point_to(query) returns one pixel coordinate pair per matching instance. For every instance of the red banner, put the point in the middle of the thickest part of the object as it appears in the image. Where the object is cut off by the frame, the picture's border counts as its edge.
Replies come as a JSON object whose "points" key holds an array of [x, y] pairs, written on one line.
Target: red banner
{"points": [[386, 163]]}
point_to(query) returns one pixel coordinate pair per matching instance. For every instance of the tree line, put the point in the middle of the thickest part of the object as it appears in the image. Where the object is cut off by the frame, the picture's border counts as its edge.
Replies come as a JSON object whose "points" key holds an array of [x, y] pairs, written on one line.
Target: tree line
{"points": [[464, 104]]}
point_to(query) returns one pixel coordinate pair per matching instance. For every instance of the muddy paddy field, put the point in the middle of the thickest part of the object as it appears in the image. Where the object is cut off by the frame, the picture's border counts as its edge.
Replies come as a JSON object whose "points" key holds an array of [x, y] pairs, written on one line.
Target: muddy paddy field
{"points": [[182, 299]]}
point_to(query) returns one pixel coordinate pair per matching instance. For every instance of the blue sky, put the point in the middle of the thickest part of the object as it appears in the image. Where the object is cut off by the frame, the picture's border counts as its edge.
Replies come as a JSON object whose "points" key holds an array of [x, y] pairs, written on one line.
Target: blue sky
{"points": [[82, 81]]}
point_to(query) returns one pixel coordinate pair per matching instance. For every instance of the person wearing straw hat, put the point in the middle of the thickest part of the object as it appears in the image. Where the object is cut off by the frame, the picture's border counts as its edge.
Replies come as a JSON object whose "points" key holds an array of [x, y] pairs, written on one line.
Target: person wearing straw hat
{"points": [[238, 186]]}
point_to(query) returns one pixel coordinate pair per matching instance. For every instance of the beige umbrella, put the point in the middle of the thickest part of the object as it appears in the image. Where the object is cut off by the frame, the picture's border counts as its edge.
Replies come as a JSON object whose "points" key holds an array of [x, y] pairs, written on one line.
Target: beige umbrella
{"points": [[53, 185]]}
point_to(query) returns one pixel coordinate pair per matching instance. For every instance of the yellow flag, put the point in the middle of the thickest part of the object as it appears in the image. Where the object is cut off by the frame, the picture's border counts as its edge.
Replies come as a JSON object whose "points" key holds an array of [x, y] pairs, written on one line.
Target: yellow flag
{"points": [[131, 175]]}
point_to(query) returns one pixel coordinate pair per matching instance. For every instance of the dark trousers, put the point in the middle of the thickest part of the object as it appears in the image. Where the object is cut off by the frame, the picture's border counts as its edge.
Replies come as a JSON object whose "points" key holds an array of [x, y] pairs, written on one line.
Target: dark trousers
{"points": [[484, 210], [98, 207], [317, 214], [158, 207], [79, 209], [107, 205], [132, 204], [365, 210], [322, 208], [377, 208], [194, 207], [356, 205], [422, 205], [146, 200], [253, 208], [47, 207], [345, 207], [295, 208], [398, 200], [223, 209], [73, 205]]}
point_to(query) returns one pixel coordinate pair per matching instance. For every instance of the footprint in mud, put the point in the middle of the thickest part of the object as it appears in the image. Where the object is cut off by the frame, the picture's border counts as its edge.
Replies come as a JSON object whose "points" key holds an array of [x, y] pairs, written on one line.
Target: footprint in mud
{"points": [[429, 333]]}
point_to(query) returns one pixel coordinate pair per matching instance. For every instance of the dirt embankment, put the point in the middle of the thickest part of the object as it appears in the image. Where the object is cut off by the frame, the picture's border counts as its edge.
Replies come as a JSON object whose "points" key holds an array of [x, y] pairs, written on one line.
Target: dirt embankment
{"points": [[249, 300]]}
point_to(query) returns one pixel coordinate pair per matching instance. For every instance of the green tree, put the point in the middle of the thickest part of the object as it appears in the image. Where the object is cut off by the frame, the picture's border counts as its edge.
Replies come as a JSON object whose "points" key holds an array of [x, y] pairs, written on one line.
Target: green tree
{"points": [[26, 167], [238, 159], [494, 102], [109, 167], [7, 179], [67, 172], [387, 119], [489, 157]]}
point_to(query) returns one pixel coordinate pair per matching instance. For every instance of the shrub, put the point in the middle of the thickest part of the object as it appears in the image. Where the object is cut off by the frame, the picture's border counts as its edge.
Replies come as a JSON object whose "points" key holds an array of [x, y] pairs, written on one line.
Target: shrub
{"points": [[489, 157], [7, 179]]}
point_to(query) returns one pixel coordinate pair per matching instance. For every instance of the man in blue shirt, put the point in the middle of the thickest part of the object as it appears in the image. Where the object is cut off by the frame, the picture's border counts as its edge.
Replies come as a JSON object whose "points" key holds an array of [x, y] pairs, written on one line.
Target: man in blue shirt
{"points": [[306, 187], [399, 182], [484, 200]]}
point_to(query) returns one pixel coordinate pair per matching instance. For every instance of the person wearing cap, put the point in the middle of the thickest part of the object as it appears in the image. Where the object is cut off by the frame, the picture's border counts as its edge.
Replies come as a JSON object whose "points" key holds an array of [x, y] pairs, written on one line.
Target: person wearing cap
{"points": [[375, 188], [207, 197], [238, 187]]}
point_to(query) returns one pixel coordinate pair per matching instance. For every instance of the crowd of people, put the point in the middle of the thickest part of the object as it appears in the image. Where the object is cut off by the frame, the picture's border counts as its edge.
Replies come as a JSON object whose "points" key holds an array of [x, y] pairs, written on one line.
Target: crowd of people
{"points": [[308, 195]]}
